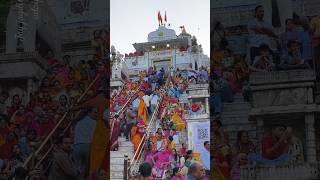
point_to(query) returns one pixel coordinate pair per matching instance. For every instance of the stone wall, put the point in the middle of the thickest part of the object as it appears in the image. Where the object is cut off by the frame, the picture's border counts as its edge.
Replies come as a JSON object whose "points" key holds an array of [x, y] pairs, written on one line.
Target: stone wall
{"points": [[286, 97]]}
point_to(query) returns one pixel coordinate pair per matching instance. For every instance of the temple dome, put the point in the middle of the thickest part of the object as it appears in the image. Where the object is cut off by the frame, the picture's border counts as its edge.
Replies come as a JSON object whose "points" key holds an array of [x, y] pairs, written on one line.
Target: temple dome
{"points": [[162, 33]]}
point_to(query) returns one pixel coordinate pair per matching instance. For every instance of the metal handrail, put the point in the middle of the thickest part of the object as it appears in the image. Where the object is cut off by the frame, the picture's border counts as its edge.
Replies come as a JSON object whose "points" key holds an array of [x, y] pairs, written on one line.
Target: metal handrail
{"points": [[122, 110], [31, 156], [138, 153]]}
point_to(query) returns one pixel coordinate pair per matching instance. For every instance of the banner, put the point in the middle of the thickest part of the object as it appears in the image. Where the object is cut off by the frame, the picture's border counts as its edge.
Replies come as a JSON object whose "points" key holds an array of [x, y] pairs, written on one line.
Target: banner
{"points": [[199, 132]]}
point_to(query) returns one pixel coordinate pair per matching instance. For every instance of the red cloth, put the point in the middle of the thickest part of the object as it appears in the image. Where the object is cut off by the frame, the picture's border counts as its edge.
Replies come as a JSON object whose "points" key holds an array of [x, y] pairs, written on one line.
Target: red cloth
{"points": [[195, 107], [183, 151], [267, 143], [4, 131], [11, 110], [3, 134], [6, 150], [45, 128]]}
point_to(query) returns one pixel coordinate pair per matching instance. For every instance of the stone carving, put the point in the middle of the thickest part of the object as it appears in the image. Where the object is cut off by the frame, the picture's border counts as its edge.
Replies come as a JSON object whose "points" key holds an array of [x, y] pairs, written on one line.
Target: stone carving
{"points": [[280, 97], [281, 77]]}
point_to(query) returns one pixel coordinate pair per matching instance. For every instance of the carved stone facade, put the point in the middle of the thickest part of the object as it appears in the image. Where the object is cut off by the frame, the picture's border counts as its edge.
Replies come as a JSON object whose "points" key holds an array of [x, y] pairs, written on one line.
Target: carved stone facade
{"points": [[23, 71], [286, 97]]}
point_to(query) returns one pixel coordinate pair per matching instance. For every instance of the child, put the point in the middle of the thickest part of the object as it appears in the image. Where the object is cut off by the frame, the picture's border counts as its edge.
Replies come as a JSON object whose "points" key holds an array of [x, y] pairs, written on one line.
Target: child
{"points": [[293, 60], [263, 62]]}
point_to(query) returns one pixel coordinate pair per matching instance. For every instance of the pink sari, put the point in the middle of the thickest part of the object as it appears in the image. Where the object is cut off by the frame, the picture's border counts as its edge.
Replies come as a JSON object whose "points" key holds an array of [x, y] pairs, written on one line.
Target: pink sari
{"points": [[148, 157], [162, 157]]}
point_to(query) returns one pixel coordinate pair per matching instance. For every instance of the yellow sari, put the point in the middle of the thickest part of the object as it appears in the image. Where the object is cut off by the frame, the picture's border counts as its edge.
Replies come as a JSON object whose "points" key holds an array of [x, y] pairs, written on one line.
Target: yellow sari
{"points": [[135, 138], [142, 111], [180, 124]]}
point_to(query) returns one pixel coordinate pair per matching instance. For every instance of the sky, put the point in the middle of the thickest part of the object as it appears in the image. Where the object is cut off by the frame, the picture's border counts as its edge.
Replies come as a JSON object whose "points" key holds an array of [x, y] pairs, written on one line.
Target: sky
{"points": [[132, 20]]}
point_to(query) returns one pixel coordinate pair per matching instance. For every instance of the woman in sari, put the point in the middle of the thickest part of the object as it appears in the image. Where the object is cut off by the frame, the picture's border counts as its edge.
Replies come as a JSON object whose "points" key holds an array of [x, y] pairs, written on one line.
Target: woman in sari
{"points": [[161, 160], [15, 104], [222, 151], [149, 153], [240, 150], [136, 136], [142, 109], [115, 130]]}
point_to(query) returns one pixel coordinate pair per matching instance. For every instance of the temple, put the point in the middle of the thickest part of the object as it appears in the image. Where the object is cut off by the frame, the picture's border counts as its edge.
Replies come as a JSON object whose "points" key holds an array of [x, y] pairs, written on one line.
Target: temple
{"points": [[185, 65], [165, 49]]}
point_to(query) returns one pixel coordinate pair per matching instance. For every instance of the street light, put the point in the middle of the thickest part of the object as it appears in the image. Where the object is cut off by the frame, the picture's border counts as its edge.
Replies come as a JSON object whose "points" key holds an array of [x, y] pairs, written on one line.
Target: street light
{"points": [[168, 45]]}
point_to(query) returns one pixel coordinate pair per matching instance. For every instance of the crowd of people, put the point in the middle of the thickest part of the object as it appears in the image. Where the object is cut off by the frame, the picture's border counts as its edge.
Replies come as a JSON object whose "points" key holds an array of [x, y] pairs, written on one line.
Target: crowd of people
{"points": [[297, 47], [24, 125], [161, 156], [278, 146]]}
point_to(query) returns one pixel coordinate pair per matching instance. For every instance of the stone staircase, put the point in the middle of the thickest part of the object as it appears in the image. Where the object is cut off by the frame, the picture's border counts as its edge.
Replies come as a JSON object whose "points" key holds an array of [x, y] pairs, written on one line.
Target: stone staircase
{"points": [[117, 158], [234, 117]]}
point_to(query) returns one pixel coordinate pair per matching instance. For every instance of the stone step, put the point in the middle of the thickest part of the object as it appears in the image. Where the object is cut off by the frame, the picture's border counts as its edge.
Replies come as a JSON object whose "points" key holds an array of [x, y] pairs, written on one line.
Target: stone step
{"points": [[235, 106], [126, 148], [117, 168], [238, 97], [121, 139], [114, 161], [242, 114], [126, 144], [120, 154], [116, 175]]}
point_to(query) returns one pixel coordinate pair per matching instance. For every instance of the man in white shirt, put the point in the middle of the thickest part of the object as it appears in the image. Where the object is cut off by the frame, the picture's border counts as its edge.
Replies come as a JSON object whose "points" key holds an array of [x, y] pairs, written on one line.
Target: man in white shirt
{"points": [[154, 101], [260, 32], [146, 98], [205, 157], [84, 130], [135, 103]]}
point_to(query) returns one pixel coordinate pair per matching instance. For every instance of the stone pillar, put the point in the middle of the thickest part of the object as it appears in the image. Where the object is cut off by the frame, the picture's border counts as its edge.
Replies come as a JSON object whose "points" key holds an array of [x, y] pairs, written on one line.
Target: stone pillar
{"points": [[260, 129], [11, 30], [207, 106], [310, 95], [285, 11], [30, 88], [310, 138], [29, 43]]}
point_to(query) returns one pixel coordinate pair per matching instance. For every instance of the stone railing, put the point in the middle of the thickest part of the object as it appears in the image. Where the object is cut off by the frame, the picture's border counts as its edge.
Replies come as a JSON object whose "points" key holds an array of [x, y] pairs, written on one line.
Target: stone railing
{"points": [[289, 172], [23, 57], [276, 77], [282, 90], [198, 86], [22, 65], [198, 116]]}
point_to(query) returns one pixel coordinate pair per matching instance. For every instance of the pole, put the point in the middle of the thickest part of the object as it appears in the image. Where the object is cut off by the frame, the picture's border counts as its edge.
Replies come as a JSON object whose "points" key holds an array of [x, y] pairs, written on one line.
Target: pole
{"points": [[125, 166]]}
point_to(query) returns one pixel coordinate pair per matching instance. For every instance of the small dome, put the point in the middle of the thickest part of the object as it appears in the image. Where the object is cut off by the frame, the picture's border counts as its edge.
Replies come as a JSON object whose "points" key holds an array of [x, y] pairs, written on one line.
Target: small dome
{"points": [[162, 33]]}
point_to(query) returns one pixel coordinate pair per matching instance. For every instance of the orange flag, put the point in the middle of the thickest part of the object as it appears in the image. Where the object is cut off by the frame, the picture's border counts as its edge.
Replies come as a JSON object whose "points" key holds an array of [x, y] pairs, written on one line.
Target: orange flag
{"points": [[165, 16], [142, 111], [159, 18]]}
